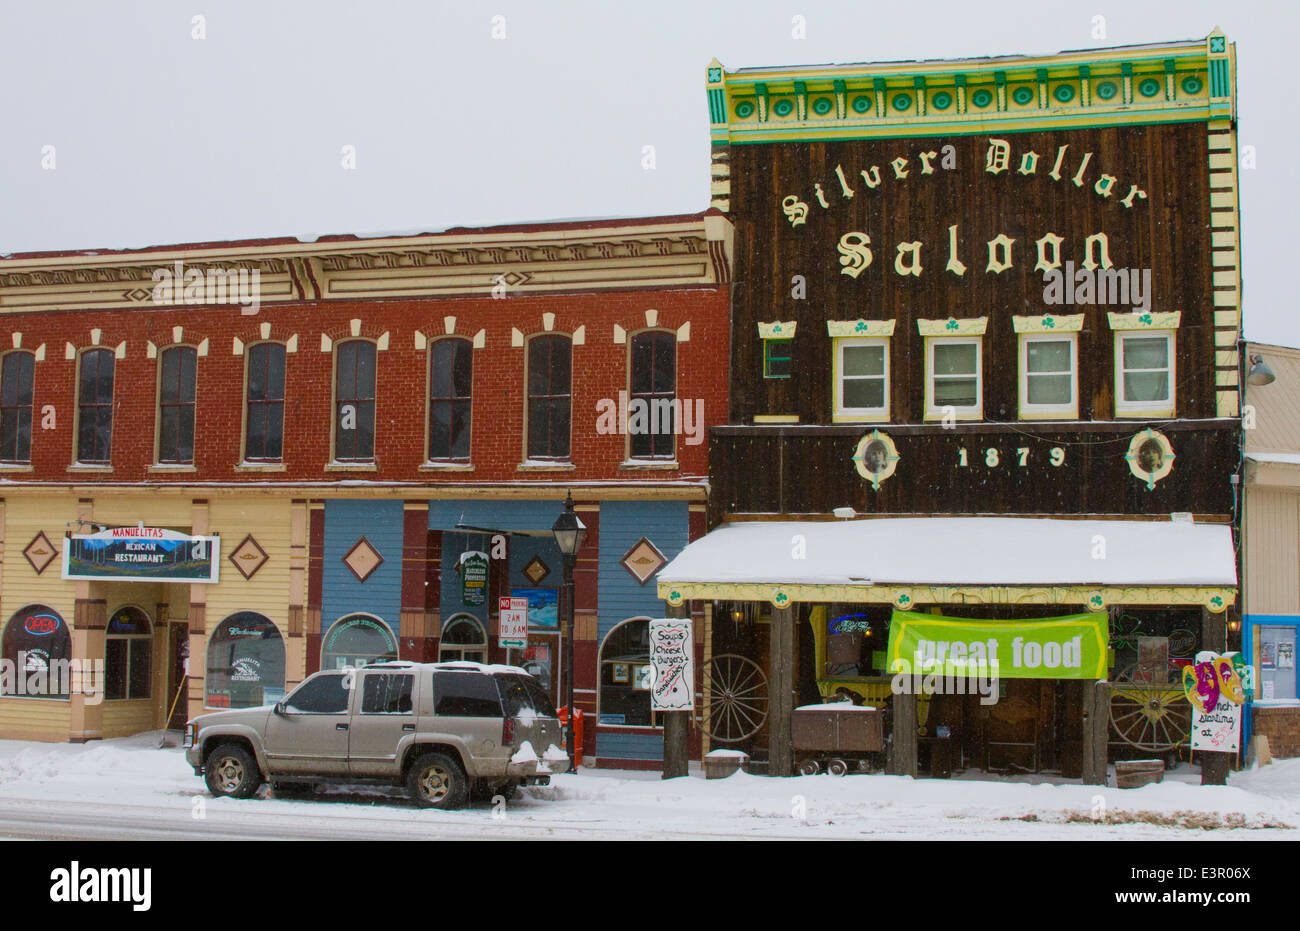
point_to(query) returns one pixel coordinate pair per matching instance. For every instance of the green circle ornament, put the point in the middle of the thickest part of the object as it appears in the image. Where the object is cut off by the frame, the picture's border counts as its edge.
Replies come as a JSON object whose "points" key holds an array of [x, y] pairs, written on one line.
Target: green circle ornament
{"points": [[902, 101], [823, 105], [1192, 84], [861, 104], [1023, 95], [1149, 88], [1064, 93], [783, 108], [982, 97], [745, 109], [941, 100], [1107, 89]]}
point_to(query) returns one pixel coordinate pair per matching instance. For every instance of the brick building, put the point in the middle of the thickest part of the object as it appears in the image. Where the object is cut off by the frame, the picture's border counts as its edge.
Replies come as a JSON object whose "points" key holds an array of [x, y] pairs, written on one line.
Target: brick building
{"points": [[346, 419]]}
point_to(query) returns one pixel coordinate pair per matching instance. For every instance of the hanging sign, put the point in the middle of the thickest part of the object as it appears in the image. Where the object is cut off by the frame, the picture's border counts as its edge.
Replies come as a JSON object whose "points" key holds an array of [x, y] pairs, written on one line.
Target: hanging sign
{"points": [[473, 577], [1071, 647], [672, 661], [141, 554], [512, 622]]}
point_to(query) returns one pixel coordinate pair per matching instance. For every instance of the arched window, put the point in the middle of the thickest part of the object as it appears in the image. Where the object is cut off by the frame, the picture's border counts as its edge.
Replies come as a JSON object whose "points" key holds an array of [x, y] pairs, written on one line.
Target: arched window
{"points": [[16, 377], [355, 640], [624, 696], [264, 419], [95, 406], [36, 645], [128, 654], [176, 379], [245, 662], [354, 401], [463, 639], [451, 384], [654, 388], [550, 360]]}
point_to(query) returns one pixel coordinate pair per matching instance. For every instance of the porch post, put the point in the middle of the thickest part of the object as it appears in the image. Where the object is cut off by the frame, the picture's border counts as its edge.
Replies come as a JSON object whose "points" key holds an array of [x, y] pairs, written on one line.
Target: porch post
{"points": [[780, 738], [677, 724], [1214, 636]]}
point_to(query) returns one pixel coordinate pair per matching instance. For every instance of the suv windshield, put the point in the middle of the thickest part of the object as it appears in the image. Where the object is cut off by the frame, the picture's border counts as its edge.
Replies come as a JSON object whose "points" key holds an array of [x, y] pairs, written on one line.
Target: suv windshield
{"points": [[521, 694]]}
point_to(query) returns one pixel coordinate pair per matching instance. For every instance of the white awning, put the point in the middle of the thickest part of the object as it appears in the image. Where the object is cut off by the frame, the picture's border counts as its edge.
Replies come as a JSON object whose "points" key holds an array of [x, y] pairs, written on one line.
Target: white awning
{"points": [[995, 551]]}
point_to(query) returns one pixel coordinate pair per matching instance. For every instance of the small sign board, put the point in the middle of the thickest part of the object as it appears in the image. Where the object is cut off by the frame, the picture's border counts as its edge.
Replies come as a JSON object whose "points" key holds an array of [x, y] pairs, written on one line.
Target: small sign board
{"points": [[1219, 729], [512, 619], [473, 577], [672, 659]]}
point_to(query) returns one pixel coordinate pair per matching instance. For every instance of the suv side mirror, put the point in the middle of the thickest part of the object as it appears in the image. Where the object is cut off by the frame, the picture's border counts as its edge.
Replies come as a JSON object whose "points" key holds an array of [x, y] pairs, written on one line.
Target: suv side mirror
{"points": [[279, 708]]}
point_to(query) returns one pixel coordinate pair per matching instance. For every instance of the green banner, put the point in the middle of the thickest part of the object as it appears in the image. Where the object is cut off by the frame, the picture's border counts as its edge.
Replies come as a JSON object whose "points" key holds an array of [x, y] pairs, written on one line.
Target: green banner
{"points": [[1072, 647]]}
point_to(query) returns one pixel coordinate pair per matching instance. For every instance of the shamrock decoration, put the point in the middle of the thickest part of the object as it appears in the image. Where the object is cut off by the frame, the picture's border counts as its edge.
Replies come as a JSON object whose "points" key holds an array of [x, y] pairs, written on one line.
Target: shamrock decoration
{"points": [[952, 324], [862, 326], [1145, 319], [1049, 322], [1217, 601]]}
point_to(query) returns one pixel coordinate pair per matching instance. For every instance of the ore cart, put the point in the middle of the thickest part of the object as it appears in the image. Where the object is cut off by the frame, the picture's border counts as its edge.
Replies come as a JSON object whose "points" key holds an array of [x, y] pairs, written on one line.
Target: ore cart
{"points": [[838, 738]]}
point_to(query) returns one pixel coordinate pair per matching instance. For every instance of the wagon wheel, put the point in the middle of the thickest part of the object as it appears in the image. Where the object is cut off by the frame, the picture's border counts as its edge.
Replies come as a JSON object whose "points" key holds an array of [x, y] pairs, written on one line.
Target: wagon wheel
{"points": [[737, 693], [1149, 715]]}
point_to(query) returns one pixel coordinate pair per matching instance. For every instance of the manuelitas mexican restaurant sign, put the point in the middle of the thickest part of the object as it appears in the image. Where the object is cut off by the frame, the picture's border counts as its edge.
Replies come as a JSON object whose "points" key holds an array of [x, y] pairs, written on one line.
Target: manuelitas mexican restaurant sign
{"points": [[1072, 647], [141, 554]]}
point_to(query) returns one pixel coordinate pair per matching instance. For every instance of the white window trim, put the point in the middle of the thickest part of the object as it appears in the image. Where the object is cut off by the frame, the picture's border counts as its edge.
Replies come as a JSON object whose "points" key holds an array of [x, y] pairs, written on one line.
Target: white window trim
{"points": [[970, 412], [1125, 408], [842, 414], [1046, 411]]}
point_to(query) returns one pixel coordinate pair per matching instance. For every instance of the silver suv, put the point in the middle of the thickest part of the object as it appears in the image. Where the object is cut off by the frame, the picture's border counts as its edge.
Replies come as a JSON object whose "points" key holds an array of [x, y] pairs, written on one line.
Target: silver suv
{"points": [[445, 730]]}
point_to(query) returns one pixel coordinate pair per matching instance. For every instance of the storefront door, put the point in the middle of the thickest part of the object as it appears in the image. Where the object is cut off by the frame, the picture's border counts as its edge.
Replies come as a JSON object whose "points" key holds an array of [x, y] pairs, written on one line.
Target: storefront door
{"points": [[178, 650], [1277, 669]]}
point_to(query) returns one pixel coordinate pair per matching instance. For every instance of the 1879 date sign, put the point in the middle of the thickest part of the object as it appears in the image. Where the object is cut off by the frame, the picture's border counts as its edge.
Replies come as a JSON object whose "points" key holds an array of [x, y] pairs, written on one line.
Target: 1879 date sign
{"points": [[672, 686]]}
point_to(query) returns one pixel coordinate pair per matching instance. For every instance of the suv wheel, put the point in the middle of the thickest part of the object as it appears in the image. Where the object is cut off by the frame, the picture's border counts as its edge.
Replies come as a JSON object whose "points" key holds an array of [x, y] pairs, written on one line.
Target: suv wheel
{"points": [[231, 770], [435, 780]]}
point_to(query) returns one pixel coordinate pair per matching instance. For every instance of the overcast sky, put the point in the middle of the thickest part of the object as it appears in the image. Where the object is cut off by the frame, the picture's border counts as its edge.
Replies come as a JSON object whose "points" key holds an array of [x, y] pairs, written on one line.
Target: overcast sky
{"points": [[160, 137]]}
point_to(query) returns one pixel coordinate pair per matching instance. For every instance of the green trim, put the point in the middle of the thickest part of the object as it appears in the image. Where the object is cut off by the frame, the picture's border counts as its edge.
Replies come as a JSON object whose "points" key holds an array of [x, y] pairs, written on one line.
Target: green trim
{"points": [[770, 356]]}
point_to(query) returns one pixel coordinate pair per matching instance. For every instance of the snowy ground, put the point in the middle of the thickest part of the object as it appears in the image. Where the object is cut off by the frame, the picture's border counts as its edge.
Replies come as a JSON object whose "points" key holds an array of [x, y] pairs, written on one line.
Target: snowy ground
{"points": [[130, 788]]}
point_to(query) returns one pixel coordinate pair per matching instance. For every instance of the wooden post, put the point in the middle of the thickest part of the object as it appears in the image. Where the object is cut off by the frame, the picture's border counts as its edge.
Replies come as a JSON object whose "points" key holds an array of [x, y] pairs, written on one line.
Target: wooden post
{"points": [[677, 724], [780, 737], [1088, 706], [1099, 728], [903, 745], [1214, 636]]}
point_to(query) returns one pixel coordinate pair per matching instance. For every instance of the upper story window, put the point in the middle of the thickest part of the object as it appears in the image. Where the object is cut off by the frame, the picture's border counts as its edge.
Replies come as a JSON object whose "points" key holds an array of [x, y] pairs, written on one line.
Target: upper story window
{"points": [[264, 417], [176, 405], [954, 380], [354, 401], [95, 406], [1144, 373], [778, 341], [451, 389], [550, 369], [861, 374], [16, 376], [654, 385], [1049, 376]]}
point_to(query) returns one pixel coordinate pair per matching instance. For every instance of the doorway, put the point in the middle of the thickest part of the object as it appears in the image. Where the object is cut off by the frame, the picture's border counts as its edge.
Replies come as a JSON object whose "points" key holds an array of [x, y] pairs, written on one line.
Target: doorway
{"points": [[178, 670]]}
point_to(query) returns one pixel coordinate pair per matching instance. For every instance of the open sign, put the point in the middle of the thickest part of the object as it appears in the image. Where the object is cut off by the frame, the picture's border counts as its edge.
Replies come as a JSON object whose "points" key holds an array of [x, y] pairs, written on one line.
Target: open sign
{"points": [[41, 624]]}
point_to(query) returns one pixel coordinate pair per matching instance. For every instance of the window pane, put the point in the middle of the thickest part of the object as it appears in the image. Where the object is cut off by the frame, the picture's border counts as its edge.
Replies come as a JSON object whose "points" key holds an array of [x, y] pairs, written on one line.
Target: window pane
{"points": [[365, 448], [665, 363], [864, 392], [1146, 386], [466, 694], [347, 371], [539, 357], [954, 359], [959, 392], [167, 434], [274, 372], [274, 430], [440, 429], [1048, 357], [170, 374], [440, 375], [257, 373], [559, 418], [383, 693], [245, 662], [366, 370], [1049, 389], [187, 375], [9, 435], [463, 369], [9, 381], [323, 695], [642, 361], [140, 649], [460, 430], [115, 659], [864, 360], [185, 434], [1146, 353], [256, 431], [25, 378]]}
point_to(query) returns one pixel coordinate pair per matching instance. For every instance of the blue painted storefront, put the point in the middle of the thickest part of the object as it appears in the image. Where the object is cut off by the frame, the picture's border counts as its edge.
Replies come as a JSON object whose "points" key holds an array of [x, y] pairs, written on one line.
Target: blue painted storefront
{"points": [[380, 522], [1249, 623]]}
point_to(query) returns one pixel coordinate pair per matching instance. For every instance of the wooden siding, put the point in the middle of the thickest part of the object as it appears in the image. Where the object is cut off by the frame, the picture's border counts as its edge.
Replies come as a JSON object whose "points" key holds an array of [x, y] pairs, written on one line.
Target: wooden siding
{"points": [[1273, 543], [809, 470], [35, 718], [623, 523], [1167, 233], [1276, 427], [380, 522]]}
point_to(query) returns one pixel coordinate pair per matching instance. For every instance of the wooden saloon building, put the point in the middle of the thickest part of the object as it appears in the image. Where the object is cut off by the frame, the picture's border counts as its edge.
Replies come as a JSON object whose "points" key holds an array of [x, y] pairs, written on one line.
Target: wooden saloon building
{"points": [[984, 392]]}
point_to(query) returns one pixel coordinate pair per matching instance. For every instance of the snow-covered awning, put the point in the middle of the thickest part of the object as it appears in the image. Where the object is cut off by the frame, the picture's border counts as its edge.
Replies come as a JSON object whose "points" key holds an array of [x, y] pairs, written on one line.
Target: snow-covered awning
{"points": [[876, 559]]}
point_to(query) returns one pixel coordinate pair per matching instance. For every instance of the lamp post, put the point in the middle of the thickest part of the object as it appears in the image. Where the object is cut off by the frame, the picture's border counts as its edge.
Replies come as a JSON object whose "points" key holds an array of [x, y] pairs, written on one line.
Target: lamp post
{"points": [[569, 533]]}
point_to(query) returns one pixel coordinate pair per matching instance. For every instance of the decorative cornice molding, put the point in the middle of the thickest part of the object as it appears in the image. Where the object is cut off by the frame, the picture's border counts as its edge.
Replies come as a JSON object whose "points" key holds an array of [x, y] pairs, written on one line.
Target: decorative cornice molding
{"points": [[840, 328], [975, 326], [1145, 321], [779, 329], [1048, 323]]}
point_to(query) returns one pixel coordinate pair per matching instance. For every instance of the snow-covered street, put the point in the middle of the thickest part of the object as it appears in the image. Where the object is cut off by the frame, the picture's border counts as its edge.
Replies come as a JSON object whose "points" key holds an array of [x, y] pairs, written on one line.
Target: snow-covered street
{"points": [[128, 788]]}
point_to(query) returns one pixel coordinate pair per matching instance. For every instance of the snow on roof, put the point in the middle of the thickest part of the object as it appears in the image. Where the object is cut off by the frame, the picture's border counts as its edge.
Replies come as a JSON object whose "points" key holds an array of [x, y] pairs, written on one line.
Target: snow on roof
{"points": [[959, 551]]}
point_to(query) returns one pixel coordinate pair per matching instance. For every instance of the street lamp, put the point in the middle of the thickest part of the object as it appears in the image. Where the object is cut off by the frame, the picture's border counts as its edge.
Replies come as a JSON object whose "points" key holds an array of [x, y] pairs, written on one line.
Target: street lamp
{"points": [[569, 533]]}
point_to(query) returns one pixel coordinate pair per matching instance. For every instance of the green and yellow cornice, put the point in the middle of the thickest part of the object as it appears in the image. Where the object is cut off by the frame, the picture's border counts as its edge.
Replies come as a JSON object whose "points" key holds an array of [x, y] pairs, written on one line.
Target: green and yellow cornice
{"points": [[1168, 82]]}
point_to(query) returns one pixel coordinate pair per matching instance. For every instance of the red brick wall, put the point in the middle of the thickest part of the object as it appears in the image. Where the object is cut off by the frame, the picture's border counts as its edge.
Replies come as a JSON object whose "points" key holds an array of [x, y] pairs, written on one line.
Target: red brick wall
{"points": [[1282, 728], [600, 370]]}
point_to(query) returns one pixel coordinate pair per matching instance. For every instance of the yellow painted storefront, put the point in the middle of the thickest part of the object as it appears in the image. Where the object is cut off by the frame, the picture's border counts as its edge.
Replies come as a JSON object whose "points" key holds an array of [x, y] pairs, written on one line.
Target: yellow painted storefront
{"points": [[176, 611]]}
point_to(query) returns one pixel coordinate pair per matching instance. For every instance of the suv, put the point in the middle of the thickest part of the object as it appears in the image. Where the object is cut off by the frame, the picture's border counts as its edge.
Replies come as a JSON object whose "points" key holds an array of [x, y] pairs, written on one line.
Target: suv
{"points": [[442, 729]]}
